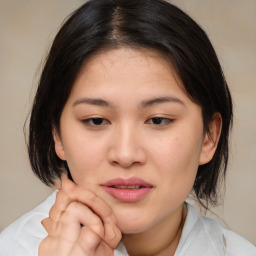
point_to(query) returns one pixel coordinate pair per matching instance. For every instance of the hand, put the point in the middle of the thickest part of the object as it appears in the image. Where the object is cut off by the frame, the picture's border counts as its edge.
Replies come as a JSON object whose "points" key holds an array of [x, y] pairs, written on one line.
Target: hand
{"points": [[79, 224]]}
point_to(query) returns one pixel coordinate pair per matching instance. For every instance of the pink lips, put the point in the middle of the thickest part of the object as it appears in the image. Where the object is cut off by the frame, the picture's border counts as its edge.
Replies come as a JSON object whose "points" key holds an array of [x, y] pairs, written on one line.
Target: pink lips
{"points": [[127, 190]]}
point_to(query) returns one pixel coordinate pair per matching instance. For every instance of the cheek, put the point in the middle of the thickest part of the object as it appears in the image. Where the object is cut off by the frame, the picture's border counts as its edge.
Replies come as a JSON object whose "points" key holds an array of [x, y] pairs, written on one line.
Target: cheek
{"points": [[177, 152], [84, 156], [176, 160]]}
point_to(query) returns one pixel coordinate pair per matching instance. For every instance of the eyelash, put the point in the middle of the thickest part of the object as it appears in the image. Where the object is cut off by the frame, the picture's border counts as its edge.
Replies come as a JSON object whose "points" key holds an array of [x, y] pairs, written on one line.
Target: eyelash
{"points": [[89, 120], [152, 121], [157, 119]]}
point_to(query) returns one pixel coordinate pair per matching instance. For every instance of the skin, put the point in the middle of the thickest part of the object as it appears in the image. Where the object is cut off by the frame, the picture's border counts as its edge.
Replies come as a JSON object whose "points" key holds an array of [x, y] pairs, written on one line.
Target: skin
{"points": [[129, 141]]}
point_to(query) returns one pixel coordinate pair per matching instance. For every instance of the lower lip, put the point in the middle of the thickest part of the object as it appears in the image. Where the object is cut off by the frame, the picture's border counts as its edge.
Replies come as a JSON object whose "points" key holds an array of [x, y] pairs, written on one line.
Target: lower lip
{"points": [[127, 195]]}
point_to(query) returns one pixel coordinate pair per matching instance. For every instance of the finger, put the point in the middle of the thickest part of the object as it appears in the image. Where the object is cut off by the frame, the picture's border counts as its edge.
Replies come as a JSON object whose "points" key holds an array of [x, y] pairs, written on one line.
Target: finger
{"points": [[55, 213], [53, 246], [78, 193], [61, 203], [104, 249], [112, 234], [50, 247], [48, 226], [70, 236], [76, 216], [79, 230], [69, 193], [46, 247], [87, 243], [62, 200]]}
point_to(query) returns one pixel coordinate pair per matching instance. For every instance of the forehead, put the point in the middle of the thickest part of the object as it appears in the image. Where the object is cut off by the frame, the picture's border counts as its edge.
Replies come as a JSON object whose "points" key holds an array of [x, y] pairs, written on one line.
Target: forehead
{"points": [[127, 55], [127, 65]]}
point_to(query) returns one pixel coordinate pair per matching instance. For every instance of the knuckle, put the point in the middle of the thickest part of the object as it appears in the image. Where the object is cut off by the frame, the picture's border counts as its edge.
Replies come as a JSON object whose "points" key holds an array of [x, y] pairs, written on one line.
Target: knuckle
{"points": [[47, 246], [63, 196], [88, 240], [44, 222], [59, 195], [98, 228], [110, 214], [52, 212], [92, 196], [119, 235], [71, 209], [85, 195], [68, 186], [49, 225]]}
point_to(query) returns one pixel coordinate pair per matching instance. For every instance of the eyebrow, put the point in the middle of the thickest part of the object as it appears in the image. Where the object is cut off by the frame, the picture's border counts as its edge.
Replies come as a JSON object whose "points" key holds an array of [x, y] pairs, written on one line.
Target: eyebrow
{"points": [[158, 100], [143, 104], [92, 101]]}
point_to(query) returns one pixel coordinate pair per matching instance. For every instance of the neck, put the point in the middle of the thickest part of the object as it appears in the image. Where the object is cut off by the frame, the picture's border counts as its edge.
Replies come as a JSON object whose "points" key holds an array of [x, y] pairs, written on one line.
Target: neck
{"points": [[160, 240]]}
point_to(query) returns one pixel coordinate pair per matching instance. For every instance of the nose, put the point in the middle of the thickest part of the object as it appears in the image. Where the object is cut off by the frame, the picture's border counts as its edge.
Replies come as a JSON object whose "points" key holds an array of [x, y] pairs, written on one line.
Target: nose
{"points": [[126, 148]]}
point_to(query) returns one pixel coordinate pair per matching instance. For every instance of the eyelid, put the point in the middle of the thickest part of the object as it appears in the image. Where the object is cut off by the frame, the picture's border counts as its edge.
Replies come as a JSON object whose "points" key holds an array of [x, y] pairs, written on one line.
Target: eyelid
{"points": [[167, 120], [87, 121]]}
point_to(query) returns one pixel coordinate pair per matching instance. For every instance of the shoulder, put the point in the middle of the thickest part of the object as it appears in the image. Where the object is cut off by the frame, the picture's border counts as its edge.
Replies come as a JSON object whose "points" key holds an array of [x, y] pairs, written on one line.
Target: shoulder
{"points": [[237, 245], [23, 236], [205, 236], [233, 244]]}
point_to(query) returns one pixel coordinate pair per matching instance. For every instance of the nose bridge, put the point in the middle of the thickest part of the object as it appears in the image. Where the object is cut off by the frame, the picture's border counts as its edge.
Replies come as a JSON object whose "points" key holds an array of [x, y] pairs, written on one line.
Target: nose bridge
{"points": [[127, 148], [126, 139]]}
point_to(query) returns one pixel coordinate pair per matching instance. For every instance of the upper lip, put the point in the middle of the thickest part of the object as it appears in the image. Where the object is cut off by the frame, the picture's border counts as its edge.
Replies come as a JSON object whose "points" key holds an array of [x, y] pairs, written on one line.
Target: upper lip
{"points": [[127, 182]]}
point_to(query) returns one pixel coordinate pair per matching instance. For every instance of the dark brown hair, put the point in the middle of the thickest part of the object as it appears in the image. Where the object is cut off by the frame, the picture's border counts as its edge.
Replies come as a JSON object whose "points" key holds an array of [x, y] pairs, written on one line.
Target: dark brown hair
{"points": [[151, 24]]}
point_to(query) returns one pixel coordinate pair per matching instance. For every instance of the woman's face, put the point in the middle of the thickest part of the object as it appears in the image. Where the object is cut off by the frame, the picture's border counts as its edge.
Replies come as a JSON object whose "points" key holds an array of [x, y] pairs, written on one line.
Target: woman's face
{"points": [[130, 134]]}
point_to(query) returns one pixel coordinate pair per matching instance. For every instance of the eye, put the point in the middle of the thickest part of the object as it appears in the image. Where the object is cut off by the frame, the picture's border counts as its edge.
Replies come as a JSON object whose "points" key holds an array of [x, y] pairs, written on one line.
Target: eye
{"points": [[97, 121], [160, 121]]}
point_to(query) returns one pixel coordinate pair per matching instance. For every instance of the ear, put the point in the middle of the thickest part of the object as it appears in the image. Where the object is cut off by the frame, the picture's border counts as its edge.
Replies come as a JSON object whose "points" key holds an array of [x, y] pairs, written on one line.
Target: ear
{"points": [[58, 144], [211, 139]]}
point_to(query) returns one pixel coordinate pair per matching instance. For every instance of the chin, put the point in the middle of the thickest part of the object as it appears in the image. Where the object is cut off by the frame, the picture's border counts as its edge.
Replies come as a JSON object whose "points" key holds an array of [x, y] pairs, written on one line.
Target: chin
{"points": [[132, 222], [127, 227]]}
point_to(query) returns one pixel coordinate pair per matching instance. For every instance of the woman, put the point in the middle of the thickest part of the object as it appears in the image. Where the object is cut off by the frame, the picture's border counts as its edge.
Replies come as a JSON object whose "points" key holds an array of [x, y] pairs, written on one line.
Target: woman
{"points": [[132, 114]]}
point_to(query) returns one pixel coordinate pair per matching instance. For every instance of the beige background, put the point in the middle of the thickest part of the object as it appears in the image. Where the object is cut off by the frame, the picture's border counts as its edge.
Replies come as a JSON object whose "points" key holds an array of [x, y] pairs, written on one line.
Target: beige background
{"points": [[26, 30]]}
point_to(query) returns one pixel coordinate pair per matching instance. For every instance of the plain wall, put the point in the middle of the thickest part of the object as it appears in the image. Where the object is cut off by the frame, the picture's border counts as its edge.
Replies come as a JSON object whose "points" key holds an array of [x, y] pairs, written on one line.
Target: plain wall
{"points": [[27, 28]]}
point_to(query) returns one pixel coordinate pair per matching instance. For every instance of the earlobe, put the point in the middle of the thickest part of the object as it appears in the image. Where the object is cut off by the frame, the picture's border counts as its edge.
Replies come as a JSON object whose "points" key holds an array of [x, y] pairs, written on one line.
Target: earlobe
{"points": [[58, 144], [211, 139]]}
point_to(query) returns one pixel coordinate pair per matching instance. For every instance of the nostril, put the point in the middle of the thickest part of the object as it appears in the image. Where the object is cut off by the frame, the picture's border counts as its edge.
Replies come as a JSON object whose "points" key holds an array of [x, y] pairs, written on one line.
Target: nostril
{"points": [[114, 163], [126, 157]]}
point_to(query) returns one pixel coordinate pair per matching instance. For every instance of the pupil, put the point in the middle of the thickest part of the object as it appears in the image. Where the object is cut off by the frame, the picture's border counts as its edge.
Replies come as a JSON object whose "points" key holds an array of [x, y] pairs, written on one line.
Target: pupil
{"points": [[157, 120], [97, 121]]}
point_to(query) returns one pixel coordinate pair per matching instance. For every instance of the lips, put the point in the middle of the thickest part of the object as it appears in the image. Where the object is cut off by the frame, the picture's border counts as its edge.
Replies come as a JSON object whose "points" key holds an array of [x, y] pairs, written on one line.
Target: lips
{"points": [[128, 187], [127, 190]]}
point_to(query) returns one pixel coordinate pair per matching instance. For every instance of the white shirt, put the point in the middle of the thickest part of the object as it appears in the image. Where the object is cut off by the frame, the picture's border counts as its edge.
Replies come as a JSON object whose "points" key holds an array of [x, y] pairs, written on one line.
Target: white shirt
{"points": [[200, 236]]}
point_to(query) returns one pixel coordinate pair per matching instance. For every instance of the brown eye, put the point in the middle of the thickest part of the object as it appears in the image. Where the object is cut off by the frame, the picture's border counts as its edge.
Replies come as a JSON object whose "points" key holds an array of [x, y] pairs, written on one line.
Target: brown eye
{"points": [[160, 121], [157, 120], [95, 121]]}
